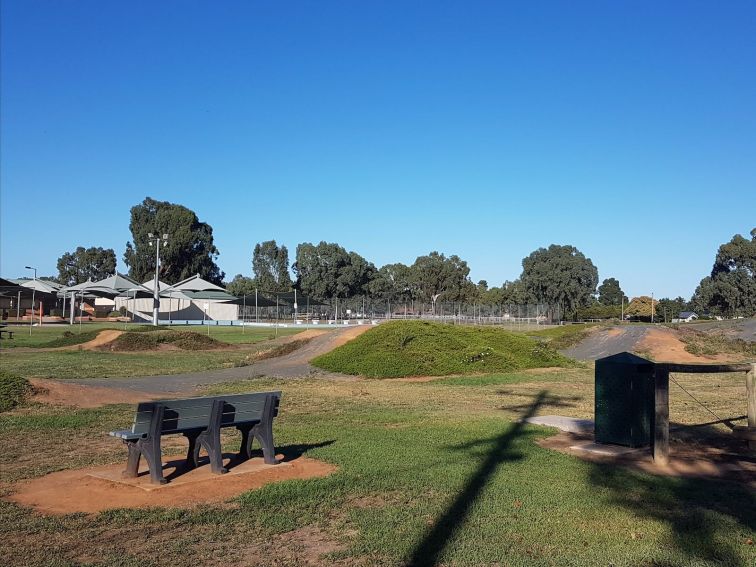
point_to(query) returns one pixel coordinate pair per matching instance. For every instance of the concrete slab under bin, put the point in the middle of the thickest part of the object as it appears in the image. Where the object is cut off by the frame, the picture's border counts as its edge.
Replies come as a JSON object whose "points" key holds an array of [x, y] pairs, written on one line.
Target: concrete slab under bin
{"points": [[569, 424]]}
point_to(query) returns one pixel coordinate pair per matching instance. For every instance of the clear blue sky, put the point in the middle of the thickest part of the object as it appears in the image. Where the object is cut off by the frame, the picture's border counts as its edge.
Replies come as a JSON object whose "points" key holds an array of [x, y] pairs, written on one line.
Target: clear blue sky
{"points": [[483, 129]]}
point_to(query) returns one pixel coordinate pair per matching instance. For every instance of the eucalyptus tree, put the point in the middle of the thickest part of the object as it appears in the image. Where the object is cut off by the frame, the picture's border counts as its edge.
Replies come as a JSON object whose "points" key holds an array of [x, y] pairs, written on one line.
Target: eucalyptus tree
{"points": [[82, 264], [189, 249], [559, 276]]}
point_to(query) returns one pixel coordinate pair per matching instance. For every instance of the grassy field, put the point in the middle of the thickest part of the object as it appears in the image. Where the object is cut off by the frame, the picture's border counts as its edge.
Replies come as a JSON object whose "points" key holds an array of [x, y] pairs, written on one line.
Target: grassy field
{"points": [[435, 472], [52, 336], [62, 364], [419, 348]]}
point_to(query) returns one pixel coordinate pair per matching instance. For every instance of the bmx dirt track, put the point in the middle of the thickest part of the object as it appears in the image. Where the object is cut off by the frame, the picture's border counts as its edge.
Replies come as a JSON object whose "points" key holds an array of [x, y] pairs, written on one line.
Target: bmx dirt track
{"points": [[293, 365]]}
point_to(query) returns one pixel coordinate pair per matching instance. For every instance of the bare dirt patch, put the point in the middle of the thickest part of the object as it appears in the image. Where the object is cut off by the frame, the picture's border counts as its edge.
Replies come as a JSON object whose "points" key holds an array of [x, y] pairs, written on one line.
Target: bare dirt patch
{"points": [[665, 346], [349, 334], [101, 339], [56, 393], [307, 545], [686, 460], [95, 489], [304, 335]]}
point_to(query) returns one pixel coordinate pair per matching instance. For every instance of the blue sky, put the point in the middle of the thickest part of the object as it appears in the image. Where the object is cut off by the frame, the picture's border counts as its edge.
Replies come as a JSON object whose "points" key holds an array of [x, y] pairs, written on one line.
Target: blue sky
{"points": [[483, 129]]}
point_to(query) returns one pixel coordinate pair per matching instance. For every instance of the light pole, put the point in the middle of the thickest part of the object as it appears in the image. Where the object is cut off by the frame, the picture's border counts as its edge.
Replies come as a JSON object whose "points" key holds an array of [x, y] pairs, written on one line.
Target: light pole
{"points": [[156, 240], [34, 289]]}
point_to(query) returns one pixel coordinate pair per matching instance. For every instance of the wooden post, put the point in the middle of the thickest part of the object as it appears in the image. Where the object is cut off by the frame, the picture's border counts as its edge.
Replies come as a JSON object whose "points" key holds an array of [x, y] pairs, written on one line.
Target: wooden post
{"points": [[751, 397], [661, 414]]}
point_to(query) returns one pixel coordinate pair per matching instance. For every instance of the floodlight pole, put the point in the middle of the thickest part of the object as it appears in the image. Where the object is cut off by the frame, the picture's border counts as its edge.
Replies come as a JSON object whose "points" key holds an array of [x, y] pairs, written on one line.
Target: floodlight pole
{"points": [[156, 240], [34, 289], [652, 307]]}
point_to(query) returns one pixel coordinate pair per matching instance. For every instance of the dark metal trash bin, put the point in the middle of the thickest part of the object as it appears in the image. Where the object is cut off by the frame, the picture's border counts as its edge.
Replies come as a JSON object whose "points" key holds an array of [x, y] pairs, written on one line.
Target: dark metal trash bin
{"points": [[624, 400]]}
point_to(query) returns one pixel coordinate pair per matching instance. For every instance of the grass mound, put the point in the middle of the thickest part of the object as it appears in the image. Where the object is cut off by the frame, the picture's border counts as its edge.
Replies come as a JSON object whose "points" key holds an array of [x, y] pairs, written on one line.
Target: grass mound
{"points": [[419, 348], [185, 340], [13, 390]]}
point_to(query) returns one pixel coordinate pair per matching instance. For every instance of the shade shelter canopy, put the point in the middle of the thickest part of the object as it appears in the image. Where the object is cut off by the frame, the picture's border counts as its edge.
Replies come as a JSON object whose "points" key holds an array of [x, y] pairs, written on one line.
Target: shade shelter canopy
{"points": [[11, 289], [109, 287]]}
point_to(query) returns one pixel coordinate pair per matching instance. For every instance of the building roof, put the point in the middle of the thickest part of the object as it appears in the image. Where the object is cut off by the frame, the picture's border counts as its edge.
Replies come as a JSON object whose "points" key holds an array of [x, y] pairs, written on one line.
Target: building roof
{"points": [[150, 284], [45, 286], [687, 314], [195, 283], [109, 287], [9, 288]]}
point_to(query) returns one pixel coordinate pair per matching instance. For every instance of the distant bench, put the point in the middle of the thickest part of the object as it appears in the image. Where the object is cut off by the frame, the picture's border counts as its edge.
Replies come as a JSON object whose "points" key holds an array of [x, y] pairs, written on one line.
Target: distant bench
{"points": [[200, 421], [4, 331]]}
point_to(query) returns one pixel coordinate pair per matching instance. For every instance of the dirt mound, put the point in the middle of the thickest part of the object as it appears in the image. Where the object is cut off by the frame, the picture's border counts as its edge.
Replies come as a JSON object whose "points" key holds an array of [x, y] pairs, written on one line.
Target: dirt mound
{"points": [[76, 395], [664, 345], [162, 340], [103, 338], [304, 335], [102, 488], [351, 333]]}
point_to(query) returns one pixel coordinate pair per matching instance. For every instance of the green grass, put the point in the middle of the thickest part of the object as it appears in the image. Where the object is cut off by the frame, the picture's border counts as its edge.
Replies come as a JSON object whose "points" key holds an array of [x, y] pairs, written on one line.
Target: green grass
{"points": [[49, 335], [419, 348], [185, 340], [93, 364], [417, 479], [52, 336], [564, 336], [489, 379]]}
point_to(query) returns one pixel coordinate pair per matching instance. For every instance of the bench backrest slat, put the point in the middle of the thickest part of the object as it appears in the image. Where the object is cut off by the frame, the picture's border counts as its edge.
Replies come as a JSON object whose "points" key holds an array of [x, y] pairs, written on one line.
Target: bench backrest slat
{"points": [[194, 413]]}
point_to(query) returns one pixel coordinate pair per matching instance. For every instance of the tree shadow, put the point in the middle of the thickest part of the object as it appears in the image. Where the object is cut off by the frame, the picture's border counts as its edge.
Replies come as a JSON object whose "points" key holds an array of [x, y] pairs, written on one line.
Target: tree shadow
{"points": [[432, 545], [686, 506], [543, 397]]}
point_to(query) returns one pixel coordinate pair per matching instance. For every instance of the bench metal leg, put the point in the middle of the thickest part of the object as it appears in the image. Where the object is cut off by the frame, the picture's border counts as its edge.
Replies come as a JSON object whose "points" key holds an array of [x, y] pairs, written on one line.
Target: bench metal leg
{"points": [[210, 439], [192, 454], [150, 446], [153, 455], [132, 463], [263, 431], [245, 451]]}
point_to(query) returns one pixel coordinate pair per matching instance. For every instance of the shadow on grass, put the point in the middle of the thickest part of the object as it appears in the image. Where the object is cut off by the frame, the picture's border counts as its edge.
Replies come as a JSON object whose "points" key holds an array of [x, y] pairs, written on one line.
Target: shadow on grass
{"points": [[543, 398], [179, 467], [687, 506], [430, 548]]}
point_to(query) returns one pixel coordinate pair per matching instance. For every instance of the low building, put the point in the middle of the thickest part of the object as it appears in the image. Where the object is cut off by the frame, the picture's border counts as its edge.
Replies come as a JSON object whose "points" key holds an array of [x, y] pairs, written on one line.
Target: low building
{"points": [[686, 317]]}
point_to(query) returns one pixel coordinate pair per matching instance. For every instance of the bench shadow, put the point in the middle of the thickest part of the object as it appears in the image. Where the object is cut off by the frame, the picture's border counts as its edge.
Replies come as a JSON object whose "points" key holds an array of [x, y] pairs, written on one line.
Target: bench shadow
{"points": [[178, 465], [497, 450]]}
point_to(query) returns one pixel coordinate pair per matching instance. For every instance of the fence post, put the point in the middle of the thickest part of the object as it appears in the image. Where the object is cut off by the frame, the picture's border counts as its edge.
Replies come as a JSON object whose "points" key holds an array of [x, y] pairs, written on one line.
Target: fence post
{"points": [[661, 414], [751, 396]]}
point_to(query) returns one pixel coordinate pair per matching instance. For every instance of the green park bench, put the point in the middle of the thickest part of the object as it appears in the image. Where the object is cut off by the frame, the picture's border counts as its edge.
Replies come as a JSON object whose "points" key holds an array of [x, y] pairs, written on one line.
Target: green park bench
{"points": [[200, 420], [4, 331]]}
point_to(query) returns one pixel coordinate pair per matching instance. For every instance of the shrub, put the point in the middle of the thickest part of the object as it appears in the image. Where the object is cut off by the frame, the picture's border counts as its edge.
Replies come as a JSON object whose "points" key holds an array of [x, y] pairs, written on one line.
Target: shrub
{"points": [[13, 390], [114, 314]]}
